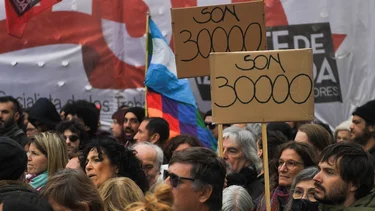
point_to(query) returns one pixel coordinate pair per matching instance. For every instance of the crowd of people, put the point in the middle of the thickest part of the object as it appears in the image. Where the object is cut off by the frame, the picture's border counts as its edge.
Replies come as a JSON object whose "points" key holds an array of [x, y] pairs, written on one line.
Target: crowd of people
{"points": [[62, 161]]}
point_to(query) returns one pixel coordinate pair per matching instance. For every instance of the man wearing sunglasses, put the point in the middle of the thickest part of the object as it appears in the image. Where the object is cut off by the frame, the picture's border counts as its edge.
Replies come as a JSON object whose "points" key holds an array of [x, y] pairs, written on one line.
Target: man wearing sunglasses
{"points": [[74, 134], [197, 176]]}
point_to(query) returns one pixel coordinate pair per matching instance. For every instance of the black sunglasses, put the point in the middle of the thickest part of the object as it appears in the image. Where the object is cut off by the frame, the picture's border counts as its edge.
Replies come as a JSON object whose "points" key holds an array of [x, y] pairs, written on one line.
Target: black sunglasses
{"points": [[174, 179], [72, 138], [210, 125]]}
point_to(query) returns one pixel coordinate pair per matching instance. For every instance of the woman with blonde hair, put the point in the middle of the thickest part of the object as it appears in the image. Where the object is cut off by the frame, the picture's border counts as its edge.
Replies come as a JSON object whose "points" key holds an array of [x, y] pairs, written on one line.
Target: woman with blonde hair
{"points": [[119, 192], [160, 200], [47, 154]]}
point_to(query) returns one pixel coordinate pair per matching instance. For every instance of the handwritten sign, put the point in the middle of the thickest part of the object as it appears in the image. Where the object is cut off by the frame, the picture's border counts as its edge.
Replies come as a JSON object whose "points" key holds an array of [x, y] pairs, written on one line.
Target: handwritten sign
{"points": [[262, 86], [198, 31]]}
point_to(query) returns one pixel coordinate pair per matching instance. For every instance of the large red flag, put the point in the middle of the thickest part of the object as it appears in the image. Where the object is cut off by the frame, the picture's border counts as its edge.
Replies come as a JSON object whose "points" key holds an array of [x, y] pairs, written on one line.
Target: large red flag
{"points": [[18, 12]]}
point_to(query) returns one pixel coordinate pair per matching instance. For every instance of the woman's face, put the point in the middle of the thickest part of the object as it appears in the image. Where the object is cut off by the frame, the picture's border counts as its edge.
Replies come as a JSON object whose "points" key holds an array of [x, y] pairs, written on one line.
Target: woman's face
{"points": [[233, 155], [37, 161], [98, 169], [290, 164], [305, 190]]}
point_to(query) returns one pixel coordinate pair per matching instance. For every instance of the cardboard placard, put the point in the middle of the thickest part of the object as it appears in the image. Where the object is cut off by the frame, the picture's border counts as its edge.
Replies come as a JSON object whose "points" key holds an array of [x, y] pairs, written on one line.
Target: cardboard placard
{"points": [[197, 31], [262, 86]]}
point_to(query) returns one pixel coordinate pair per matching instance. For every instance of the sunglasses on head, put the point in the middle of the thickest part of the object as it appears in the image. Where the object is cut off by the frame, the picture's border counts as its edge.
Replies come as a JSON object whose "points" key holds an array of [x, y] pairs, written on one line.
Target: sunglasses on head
{"points": [[72, 138], [174, 179]]}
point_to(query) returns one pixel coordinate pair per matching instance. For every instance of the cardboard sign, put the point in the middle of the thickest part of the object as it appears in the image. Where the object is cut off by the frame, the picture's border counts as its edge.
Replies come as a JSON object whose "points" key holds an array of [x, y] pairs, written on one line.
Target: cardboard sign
{"points": [[198, 31], [262, 86]]}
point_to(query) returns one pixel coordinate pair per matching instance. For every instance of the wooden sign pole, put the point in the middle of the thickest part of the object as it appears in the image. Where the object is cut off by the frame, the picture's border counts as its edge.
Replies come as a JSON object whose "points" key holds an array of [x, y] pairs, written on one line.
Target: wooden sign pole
{"points": [[267, 194], [220, 139]]}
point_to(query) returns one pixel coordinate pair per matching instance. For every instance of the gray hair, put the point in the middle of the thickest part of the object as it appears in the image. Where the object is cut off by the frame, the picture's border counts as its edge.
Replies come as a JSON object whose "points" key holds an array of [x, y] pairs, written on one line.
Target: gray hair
{"points": [[247, 143], [255, 129], [236, 198], [159, 152], [304, 175]]}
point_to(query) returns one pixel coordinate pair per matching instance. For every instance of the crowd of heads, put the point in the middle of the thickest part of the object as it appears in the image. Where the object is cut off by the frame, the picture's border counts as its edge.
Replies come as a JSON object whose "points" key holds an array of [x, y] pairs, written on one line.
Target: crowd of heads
{"points": [[65, 160]]}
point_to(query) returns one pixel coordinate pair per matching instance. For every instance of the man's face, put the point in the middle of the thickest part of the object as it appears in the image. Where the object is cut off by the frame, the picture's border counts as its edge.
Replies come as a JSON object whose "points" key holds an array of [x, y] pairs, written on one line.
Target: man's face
{"points": [[7, 115], [185, 197], [116, 129], [330, 188], [358, 130], [342, 135], [212, 127], [31, 130], [142, 134], [148, 156], [234, 156], [131, 125], [72, 142]]}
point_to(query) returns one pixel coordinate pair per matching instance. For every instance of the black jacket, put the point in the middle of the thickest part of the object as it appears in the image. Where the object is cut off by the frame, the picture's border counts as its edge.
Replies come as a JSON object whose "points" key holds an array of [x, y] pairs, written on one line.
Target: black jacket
{"points": [[247, 178], [10, 186]]}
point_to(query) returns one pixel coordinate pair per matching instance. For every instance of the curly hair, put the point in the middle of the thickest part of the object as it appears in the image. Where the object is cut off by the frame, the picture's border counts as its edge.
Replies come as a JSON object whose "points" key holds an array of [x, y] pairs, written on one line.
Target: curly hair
{"points": [[75, 127], [123, 158], [86, 111]]}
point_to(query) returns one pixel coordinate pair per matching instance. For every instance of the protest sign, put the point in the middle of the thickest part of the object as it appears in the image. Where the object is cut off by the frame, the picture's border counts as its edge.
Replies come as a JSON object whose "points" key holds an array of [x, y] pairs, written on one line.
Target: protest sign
{"points": [[262, 86], [198, 31]]}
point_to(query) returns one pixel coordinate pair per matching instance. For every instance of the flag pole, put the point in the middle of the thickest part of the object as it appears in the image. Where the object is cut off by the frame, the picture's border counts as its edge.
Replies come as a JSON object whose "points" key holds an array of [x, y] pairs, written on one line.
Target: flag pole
{"points": [[146, 56], [267, 194]]}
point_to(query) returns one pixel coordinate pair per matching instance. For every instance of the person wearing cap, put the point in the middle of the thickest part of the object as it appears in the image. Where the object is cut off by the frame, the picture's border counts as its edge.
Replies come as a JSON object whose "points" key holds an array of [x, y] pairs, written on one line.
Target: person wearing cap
{"points": [[13, 162], [43, 115], [362, 129], [10, 111], [132, 119], [342, 131]]}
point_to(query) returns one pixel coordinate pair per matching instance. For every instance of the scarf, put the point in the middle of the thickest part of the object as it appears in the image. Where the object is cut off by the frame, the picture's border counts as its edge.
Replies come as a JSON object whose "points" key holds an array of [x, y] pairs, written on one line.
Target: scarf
{"points": [[39, 181], [11, 131], [279, 199]]}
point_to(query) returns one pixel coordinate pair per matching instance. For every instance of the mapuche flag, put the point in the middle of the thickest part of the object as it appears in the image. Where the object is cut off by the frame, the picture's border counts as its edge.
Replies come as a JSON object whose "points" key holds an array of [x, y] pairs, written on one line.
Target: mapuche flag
{"points": [[18, 12]]}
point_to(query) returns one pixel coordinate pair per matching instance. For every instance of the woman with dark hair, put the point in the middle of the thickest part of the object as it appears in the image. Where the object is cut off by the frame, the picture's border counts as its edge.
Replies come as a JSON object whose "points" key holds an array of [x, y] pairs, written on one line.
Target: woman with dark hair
{"points": [[104, 158], [179, 143], [290, 158]]}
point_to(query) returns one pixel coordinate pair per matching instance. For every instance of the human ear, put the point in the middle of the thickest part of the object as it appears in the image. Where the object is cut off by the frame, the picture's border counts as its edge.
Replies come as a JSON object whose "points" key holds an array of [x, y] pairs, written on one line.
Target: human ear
{"points": [[205, 194], [154, 138]]}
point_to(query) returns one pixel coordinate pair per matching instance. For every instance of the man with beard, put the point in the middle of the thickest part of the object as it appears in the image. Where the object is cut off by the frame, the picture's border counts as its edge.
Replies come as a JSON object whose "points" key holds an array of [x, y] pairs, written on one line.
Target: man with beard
{"points": [[362, 129], [10, 111], [132, 119], [346, 178]]}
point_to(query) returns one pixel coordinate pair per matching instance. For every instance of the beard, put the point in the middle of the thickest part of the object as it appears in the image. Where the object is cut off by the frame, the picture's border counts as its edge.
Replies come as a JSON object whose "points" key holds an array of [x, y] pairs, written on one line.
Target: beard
{"points": [[6, 123], [335, 196], [364, 137]]}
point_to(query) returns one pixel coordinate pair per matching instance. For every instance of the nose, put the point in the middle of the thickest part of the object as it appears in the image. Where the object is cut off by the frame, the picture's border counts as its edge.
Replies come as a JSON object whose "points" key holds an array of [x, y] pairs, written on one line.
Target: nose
{"points": [[317, 178], [88, 166], [67, 140], [283, 168], [351, 126], [225, 154], [28, 156]]}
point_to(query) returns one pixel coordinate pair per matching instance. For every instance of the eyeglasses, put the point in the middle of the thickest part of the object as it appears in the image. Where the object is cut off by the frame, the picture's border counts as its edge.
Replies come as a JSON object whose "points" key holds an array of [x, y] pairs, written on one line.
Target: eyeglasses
{"points": [[298, 194], [290, 164], [210, 125], [174, 179], [72, 138]]}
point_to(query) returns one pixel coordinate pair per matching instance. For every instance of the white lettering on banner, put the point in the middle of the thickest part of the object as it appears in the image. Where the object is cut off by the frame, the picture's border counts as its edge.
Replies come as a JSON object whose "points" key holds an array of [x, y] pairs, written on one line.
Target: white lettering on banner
{"points": [[325, 72], [326, 91], [275, 39]]}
